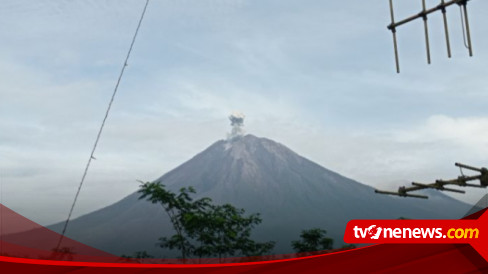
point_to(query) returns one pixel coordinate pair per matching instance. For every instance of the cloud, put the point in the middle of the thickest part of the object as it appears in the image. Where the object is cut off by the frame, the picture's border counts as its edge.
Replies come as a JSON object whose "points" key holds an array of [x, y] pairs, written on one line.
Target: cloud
{"points": [[316, 76], [464, 132], [423, 151]]}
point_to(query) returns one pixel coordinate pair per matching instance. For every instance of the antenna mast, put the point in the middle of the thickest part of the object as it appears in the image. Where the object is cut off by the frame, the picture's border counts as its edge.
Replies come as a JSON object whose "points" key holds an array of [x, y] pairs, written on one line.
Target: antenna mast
{"points": [[423, 14]]}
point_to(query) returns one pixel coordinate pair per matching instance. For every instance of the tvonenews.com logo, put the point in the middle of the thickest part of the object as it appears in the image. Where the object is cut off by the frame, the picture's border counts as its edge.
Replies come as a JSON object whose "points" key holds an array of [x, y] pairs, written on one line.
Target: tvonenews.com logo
{"points": [[467, 231], [375, 232]]}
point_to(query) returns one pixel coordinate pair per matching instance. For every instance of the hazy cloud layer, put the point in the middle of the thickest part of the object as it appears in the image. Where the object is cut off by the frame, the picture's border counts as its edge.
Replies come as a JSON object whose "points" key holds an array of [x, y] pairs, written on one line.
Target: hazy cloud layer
{"points": [[317, 76]]}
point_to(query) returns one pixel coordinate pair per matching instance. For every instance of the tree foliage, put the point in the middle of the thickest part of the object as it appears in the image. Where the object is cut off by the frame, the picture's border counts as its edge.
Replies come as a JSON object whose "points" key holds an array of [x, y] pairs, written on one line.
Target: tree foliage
{"points": [[178, 207], [224, 230], [202, 228], [139, 255], [312, 240]]}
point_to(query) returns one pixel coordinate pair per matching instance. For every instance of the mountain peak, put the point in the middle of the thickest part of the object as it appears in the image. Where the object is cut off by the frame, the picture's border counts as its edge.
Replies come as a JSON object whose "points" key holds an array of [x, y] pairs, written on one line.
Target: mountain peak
{"points": [[262, 176], [251, 146]]}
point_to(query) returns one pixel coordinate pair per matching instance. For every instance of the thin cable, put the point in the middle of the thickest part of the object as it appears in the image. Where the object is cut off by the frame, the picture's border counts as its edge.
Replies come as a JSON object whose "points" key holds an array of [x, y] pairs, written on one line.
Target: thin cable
{"points": [[461, 170], [462, 24], [102, 126]]}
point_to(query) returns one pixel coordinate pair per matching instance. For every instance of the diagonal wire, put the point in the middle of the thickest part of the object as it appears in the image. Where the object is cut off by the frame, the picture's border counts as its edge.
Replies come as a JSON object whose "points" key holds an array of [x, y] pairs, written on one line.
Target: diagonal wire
{"points": [[103, 124]]}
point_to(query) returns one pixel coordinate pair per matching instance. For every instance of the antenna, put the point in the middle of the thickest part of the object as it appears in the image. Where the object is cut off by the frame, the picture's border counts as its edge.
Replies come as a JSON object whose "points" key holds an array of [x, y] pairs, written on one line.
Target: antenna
{"points": [[423, 14], [461, 181]]}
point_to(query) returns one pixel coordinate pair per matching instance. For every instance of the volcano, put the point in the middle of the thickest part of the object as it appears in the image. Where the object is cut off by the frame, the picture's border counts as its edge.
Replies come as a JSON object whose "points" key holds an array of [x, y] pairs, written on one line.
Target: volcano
{"points": [[262, 176]]}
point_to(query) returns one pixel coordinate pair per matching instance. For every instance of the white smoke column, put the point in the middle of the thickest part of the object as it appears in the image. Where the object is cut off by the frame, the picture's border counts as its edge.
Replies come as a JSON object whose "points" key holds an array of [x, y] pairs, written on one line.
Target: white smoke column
{"points": [[237, 122]]}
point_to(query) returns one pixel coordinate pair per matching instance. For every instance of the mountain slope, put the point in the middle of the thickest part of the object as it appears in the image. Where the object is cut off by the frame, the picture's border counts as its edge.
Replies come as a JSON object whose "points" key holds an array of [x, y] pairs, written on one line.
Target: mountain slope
{"points": [[261, 176]]}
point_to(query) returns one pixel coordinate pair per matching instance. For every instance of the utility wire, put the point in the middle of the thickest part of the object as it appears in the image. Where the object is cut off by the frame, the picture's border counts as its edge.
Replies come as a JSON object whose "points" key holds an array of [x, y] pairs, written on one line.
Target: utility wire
{"points": [[102, 126]]}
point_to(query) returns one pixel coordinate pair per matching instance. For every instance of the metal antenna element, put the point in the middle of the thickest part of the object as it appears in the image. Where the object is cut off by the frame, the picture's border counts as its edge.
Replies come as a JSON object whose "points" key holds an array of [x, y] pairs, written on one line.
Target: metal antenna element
{"points": [[424, 14], [465, 25], [461, 181], [426, 28], [446, 29], [393, 31]]}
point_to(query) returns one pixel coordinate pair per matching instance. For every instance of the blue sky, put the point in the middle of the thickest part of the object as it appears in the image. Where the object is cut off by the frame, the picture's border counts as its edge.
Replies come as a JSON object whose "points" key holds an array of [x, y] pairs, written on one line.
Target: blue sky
{"points": [[317, 76]]}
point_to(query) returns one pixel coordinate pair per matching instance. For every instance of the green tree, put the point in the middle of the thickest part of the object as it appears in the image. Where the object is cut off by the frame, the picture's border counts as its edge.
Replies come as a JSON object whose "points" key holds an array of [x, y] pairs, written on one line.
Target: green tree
{"points": [[312, 240], [202, 228], [178, 207], [224, 230]]}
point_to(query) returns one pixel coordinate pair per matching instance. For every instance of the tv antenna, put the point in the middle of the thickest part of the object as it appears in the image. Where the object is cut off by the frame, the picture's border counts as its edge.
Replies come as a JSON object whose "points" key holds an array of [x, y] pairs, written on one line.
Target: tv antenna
{"points": [[423, 14], [462, 181]]}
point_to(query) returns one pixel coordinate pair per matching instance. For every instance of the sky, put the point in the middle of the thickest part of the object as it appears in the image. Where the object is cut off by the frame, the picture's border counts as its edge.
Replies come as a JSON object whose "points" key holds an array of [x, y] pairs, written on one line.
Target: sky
{"points": [[316, 76]]}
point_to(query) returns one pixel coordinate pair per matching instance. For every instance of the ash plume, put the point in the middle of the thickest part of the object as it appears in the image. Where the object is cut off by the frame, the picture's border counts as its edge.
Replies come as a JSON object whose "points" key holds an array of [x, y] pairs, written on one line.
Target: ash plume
{"points": [[237, 123]]}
